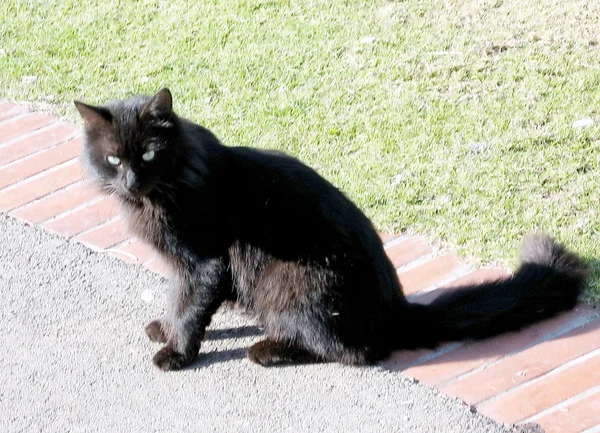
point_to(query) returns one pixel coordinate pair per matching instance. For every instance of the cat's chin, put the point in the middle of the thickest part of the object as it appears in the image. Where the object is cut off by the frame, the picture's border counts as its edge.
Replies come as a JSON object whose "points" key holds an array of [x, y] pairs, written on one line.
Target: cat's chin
{"points": [[137, 199], [135, 196]]}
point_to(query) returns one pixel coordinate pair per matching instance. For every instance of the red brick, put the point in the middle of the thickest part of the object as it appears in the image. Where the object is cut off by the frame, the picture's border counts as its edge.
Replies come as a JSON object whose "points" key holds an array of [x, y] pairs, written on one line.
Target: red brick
{"points": [[84, 218], [158, 266], [535, 361], [401, 359], [11, 198], [405, 251], [123, 255], [573, 418], [54, 204], [8, 110], [430, 273], [47, 137], [105, 236], [39, 162], [140, 251], [525, 402], [22, 125], [386, 237], [478, 276], [476, 354]]}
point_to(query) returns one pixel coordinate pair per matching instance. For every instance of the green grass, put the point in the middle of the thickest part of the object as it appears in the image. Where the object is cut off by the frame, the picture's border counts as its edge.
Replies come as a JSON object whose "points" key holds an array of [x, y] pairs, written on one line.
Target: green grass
{"points": [[449, 118]]}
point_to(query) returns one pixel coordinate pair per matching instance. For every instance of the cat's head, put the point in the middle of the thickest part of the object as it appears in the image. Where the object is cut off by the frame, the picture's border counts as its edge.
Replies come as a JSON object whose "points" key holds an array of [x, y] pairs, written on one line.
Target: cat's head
{"points": [[131, 145]]}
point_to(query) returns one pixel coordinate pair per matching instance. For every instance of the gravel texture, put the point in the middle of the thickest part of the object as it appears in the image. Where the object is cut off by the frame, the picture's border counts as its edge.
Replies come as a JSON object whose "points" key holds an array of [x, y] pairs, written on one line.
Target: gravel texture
{"points": [[75, 358]]}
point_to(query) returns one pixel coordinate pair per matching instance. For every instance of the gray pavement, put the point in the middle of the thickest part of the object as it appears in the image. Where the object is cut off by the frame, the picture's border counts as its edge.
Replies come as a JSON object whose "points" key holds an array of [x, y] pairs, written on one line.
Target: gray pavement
{"points": [[74, 358]]}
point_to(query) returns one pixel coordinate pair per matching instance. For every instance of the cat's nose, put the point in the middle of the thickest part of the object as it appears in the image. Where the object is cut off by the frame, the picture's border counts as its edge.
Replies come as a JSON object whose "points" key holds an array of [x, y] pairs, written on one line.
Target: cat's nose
{"points": [[132, 182]]}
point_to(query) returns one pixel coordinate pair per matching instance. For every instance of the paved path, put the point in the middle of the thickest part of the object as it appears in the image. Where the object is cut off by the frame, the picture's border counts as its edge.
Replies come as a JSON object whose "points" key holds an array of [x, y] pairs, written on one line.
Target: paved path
{"points": [[547, 374], [75, 359]]}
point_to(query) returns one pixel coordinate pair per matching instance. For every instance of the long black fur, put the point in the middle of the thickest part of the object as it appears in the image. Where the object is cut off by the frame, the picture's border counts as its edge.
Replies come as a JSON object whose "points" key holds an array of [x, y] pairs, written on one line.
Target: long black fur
{"points": [[265, 231]]}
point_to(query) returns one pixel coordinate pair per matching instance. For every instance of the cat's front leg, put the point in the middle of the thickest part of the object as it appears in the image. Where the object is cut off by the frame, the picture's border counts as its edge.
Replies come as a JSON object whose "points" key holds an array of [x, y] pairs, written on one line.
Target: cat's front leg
{"points": [[196, 294]]}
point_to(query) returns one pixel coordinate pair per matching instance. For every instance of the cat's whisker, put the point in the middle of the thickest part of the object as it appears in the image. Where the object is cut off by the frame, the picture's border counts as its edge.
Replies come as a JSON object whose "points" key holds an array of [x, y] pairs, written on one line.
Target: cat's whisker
{"points": [[109, 189]]}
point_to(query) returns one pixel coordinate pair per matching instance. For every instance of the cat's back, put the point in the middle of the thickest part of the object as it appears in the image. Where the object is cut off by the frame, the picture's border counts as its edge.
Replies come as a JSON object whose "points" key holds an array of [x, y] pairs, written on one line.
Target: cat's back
{"points": [[284, 178], [280, 199], [287, 183]]}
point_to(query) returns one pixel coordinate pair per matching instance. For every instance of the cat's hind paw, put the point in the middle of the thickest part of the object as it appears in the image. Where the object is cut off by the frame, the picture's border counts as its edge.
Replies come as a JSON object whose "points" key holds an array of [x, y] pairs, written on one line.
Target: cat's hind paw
{"points": [[268, 353]]}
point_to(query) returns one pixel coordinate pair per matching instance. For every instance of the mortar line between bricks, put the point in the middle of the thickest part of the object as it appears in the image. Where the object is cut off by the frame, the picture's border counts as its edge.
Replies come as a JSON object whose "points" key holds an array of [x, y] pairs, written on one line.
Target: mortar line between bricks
{"points": [[52, 125], [118, 251], [74, 136], [459, 273], [99, 226], [153, 258], [13, 112], [400, 239], [68, 212], [125, 242], [38, 175], [543, 377], [435, 354], [15, 117], [29, 133], [563, 404], [417, 262], [592, 430], [575, 323], [34, 154], [37, 200]]}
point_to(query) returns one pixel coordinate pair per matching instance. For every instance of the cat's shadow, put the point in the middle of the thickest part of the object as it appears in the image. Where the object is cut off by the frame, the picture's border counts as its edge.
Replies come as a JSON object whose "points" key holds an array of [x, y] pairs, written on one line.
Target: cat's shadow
{"points": [[217, 357], [206, 359], [237, 332]]}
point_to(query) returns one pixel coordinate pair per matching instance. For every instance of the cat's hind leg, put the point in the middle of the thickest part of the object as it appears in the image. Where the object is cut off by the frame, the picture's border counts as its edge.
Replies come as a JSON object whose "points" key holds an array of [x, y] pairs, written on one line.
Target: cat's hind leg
{"points": [[269, 352], [306, 335]]}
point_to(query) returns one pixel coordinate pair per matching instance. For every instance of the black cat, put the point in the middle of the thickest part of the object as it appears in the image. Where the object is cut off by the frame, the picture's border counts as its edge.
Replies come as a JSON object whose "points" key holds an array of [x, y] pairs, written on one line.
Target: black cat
{"points": [[264, 230]]}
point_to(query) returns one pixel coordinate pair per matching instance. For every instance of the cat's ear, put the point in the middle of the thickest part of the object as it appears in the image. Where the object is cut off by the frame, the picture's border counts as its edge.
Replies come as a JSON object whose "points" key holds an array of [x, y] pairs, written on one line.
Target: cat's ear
{"points": [[159, 107], [94, 117]]}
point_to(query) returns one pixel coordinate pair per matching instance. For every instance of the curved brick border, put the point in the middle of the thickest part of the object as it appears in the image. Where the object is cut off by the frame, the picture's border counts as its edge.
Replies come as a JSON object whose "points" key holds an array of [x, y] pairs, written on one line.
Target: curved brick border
{"points": [[548, 373]]}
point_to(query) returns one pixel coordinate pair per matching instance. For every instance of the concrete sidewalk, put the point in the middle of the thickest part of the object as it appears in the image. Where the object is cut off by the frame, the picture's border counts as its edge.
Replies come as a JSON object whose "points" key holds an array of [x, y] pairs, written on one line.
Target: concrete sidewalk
{"points": [[75, 359]]}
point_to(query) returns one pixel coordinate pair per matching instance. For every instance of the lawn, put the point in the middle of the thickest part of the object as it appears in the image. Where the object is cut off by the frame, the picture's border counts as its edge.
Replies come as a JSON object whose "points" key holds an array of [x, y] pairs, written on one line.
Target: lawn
{"points": [[448, 118]]}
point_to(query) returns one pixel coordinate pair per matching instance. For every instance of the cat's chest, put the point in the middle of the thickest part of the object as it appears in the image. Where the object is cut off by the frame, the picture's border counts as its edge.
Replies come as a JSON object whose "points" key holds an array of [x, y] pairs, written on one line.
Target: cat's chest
{"points": [[150, 223]]}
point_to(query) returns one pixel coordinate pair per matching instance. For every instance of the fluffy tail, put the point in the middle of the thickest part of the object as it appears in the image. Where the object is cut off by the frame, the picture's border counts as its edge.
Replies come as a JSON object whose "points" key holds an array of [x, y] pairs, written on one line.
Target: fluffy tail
{"points": [[548, 280]]}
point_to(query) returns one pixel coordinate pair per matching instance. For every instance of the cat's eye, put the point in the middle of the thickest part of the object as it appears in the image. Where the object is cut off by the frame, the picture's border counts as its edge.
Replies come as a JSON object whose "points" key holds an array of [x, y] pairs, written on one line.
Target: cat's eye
{"points": [[148, 156], [113, 160]]}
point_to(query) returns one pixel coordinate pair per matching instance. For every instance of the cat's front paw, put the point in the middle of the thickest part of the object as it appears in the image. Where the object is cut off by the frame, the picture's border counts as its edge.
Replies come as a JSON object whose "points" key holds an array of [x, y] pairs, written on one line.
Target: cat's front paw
{"points": [[168, 359], [155, 332]]}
